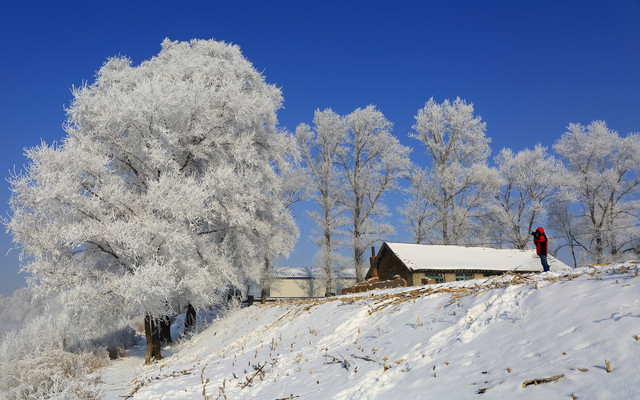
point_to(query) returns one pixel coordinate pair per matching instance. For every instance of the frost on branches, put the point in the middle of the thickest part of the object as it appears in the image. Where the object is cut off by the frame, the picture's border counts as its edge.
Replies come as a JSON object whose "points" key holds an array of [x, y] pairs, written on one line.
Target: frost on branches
{"points": [[320, 147], [373, 162], [604, 180], [530, 181], [449, 199], [284, 232], [352, 161], [164, 190]]}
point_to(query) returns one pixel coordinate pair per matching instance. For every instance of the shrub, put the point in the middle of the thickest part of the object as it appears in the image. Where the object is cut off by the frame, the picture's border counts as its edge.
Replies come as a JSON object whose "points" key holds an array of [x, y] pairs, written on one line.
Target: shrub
{"points": [[37, 362]]}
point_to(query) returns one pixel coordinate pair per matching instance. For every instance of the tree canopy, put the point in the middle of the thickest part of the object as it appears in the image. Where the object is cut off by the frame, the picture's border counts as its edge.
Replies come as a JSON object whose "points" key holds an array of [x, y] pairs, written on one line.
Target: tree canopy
{"points": [[164, 189]]}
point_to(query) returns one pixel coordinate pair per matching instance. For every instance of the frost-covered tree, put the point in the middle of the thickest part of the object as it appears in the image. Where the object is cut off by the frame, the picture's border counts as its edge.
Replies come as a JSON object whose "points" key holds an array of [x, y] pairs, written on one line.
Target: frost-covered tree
{"points": [[284, 230], [529, 187], [456, 187], [162, 191], [320, 146], [604, 178], [19, 308], [373, 161], [564, 224], [419, 216]]}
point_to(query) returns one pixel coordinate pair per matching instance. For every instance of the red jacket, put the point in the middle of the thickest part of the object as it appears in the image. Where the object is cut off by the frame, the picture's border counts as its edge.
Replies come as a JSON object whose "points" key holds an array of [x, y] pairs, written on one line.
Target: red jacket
{"points": [[540, 240]]}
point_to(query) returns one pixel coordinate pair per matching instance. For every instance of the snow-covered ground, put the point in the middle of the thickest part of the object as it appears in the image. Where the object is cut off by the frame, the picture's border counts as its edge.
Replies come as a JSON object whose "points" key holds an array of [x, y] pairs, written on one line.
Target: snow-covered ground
{"points": [[477, 339]]}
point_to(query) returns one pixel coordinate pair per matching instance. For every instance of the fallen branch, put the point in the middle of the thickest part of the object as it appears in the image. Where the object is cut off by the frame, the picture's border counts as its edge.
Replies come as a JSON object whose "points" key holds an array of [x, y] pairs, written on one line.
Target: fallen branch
{"points": [[336, 360], [363, 358], [133, 392], [541, 380], [484, 390], [258, 370]]}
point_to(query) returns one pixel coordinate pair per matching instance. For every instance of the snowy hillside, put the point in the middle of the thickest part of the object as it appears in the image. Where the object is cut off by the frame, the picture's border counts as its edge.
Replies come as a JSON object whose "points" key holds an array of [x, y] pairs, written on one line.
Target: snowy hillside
{"points": [[480, 339]]}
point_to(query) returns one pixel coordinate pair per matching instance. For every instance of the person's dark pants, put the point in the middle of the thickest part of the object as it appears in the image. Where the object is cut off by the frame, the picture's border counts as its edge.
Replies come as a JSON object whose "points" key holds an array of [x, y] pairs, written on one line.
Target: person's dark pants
{"points": [[543, 260]]}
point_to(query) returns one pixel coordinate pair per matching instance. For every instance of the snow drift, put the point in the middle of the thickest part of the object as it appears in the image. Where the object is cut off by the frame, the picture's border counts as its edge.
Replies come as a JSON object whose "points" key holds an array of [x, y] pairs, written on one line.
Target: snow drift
{"points": [[473, 339]]}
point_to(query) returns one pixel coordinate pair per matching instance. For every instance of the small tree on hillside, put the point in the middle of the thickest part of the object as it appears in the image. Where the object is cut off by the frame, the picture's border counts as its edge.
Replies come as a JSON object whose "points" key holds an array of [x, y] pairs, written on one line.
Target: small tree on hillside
{"points": [[161, 192], [564, 223]]}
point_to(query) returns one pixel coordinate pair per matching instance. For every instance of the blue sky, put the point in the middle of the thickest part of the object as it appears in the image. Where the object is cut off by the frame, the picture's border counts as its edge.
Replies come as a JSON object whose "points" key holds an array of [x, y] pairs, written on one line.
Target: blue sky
{"points": [[530, 68]]}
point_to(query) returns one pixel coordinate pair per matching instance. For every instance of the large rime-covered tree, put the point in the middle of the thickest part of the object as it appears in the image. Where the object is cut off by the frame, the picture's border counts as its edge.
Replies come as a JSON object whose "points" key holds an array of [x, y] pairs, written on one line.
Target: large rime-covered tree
{"points": [[162, 191], [373, 161], [529, 188], [604, 178], [320, 147], [456, 186]]}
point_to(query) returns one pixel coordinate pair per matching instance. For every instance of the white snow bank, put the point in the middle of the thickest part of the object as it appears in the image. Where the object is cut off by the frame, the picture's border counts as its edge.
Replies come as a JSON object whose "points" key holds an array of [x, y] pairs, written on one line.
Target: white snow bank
{"points": [[448, 341]]}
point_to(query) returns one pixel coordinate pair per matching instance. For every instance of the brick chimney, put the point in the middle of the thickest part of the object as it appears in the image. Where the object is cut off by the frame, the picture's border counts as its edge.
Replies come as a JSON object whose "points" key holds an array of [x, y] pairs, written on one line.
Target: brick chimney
{"points": [[374, 271]]}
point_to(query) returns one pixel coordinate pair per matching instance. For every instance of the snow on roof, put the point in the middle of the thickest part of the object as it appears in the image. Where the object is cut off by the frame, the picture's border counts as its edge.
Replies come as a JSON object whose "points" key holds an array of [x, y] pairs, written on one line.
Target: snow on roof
{"points": [[440, 257], [305, 273]]}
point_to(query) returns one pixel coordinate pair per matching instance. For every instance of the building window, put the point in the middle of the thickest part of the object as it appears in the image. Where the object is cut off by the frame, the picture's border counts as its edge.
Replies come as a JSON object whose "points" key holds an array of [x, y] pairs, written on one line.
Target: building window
{"points": [[463, 276], [439, 278]]}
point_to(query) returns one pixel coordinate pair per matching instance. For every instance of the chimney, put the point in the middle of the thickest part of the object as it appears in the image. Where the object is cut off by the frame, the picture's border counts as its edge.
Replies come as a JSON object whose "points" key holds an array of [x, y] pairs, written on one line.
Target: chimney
{"points": [[374, 271]]}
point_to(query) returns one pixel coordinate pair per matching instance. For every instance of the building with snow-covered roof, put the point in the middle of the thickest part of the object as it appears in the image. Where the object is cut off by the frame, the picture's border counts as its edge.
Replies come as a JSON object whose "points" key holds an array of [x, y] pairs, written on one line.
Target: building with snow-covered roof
{"points": [[413, 262], [297, 282]]}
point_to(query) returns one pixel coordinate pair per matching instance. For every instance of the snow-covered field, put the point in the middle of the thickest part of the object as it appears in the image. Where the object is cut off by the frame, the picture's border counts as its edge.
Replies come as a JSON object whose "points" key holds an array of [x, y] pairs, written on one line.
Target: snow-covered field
{"points": [[477, 339]]}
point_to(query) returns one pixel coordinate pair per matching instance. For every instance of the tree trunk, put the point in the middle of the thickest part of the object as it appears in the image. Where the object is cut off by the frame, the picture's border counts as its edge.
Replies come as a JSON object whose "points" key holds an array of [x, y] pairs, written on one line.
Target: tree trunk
{"points": [[327, 259], [266, 281], [165, 330], [599, 248], [190, 319], [356, 259], [263, 296], [153, 340]]}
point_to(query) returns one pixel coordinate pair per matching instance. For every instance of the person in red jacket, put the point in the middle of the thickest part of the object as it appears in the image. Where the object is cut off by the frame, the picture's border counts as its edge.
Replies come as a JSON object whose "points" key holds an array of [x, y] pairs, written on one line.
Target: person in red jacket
{"points": [[541, 242]]}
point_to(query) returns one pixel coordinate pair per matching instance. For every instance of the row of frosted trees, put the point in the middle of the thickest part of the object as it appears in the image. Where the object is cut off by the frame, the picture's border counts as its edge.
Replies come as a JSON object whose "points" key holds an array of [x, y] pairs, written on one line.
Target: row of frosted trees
{"points": [[174, 184], [586, 193]]}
